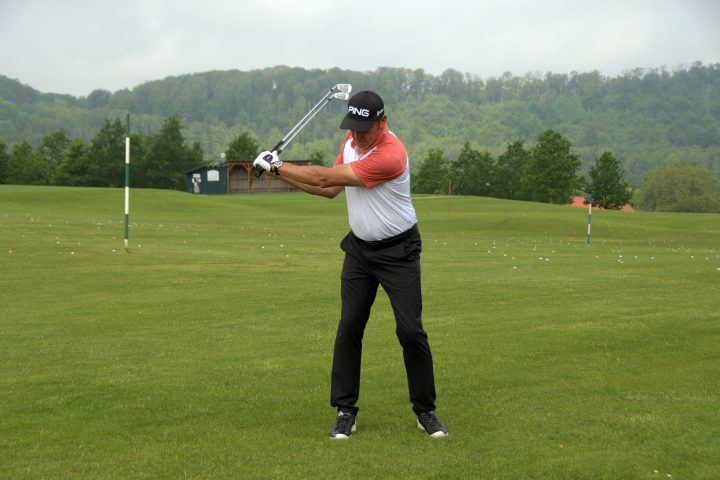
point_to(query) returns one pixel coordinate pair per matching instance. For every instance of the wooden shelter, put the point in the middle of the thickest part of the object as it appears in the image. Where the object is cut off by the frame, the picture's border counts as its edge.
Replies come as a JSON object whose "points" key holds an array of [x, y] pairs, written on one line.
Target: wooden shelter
{"points": [[234, 177]]}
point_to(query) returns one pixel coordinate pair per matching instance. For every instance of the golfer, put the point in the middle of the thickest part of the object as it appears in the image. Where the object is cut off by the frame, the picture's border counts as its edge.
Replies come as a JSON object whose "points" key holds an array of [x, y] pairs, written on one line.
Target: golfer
{"points": [[382, 248]]}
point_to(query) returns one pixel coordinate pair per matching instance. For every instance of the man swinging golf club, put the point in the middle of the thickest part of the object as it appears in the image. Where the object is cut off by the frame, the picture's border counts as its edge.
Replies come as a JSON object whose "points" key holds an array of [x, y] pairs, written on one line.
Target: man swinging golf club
{"points": [[382, 248]]}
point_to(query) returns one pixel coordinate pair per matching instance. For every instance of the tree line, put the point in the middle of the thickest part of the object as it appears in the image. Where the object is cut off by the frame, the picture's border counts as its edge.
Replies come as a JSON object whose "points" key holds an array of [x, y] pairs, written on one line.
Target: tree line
{"points": [[158, 161], [548, 172], [647, 117]]}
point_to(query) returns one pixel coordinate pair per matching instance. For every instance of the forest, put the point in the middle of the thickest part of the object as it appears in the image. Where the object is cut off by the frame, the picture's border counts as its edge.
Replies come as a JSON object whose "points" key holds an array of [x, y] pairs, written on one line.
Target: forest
{"points": [[647, 118]]}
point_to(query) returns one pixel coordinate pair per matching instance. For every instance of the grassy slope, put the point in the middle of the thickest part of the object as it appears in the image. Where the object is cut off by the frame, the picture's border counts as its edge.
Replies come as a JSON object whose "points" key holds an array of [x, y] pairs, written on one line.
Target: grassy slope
{"points": [[205, 352]]}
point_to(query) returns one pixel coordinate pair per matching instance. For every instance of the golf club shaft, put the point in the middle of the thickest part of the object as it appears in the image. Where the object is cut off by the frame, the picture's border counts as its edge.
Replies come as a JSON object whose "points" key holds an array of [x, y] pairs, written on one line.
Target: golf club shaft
{"points": [[258, 171], [288, 138], [304, 121]]}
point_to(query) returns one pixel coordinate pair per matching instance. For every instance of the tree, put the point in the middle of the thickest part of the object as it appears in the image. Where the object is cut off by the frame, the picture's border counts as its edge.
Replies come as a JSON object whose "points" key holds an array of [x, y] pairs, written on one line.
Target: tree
{"points": [[679, 187], [317, 158], [433, 174], [99, 98], [194, 158], [420, 83], [52, 151], [550, 174], [75, 166], [243, 148], [106, 157], [508, 171], [24, 165], [606, 184], [4, 160], [167, 158], [471, 173]]}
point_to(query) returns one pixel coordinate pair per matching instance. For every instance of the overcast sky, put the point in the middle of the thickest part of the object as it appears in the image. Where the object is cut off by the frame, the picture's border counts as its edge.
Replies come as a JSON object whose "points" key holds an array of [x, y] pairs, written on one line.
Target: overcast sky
{"points": [[77, 46]]}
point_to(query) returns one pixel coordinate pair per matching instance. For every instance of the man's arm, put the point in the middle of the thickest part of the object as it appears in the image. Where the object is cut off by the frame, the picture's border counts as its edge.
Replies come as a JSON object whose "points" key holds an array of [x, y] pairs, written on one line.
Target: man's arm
{"points": [[328, 192], [323, 177]]}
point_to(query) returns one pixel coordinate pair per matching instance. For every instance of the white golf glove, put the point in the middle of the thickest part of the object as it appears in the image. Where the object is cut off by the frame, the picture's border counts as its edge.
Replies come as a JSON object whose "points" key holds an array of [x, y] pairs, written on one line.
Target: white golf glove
{"points": [[268, 161]]}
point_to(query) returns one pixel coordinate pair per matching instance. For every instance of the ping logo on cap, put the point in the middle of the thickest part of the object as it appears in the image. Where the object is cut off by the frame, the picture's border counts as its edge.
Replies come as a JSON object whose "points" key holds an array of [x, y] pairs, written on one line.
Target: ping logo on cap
{"points": [[362, 112]]}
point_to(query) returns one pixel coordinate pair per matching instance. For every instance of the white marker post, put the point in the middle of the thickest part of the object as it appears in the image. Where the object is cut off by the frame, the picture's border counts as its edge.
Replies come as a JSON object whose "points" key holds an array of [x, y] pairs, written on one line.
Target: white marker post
{"points": [[589, 217], [127, 183]]}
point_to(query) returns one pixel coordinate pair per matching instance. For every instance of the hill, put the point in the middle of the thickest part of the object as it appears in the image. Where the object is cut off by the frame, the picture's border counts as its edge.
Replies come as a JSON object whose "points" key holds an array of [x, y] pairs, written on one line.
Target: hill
{"points": [[647, 118]]}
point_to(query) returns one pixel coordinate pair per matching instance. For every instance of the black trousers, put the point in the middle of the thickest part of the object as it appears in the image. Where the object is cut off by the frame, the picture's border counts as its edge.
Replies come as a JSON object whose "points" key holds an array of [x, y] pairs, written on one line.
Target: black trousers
{"points": [[394, 264]]}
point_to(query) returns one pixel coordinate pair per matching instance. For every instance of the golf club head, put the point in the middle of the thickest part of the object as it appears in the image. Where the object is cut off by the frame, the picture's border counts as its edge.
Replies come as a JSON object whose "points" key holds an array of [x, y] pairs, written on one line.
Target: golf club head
{"points": [[341, 96], [344, 87]]}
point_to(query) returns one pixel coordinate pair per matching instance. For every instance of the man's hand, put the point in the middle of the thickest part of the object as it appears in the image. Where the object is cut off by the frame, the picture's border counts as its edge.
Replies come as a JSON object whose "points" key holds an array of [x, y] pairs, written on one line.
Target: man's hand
{"points": [[268, 161]]}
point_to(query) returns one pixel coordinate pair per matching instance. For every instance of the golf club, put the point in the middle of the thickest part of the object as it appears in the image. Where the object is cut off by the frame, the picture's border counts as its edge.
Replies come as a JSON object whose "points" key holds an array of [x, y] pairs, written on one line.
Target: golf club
{"points": [[340, 91]]}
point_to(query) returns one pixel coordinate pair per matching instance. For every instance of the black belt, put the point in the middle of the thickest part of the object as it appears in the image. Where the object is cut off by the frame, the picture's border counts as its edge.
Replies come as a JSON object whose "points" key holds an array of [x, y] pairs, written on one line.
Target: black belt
{"points": [[388, 242]]}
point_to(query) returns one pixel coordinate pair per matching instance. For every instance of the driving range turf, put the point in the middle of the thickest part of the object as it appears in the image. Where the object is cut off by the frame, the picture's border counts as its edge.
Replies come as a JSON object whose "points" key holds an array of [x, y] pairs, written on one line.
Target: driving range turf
{"points": [[205, 351]]}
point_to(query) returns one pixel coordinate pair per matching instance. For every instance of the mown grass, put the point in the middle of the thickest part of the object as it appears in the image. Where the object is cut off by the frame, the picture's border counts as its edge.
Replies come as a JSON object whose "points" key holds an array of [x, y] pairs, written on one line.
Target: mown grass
{"points": [[205, 352]]}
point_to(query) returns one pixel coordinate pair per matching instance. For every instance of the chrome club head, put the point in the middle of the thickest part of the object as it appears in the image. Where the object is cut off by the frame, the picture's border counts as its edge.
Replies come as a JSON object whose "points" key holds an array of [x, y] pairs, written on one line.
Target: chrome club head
{"points": [[344, 87]]}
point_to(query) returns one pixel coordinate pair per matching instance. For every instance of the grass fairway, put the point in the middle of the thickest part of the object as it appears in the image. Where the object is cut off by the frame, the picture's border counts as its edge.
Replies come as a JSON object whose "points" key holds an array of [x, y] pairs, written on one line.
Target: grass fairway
{"points": [[205, 352]]}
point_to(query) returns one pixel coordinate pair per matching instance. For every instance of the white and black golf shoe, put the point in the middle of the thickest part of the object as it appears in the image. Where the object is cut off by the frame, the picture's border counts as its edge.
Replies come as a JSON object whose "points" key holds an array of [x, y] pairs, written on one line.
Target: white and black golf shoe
{"points": [[429, 423], [344, 426]]}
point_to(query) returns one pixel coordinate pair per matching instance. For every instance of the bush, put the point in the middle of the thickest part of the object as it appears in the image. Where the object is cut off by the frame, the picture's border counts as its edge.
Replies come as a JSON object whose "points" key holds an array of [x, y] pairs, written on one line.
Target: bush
{"points": [[679, 187]]}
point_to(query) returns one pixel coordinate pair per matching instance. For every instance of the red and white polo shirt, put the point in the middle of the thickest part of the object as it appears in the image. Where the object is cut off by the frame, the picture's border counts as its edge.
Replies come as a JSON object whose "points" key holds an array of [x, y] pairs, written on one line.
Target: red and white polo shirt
{"points": [[382, 208]]}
